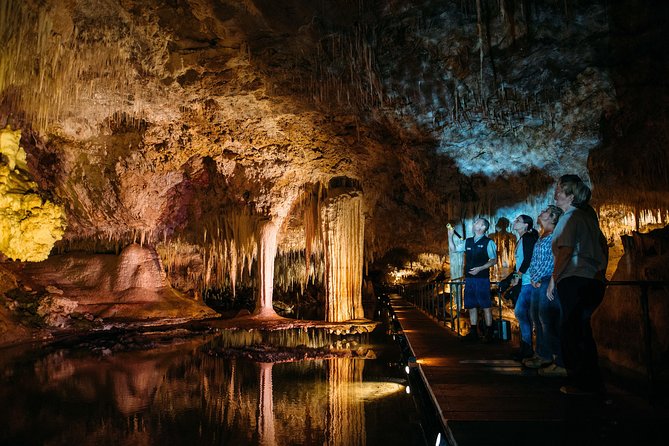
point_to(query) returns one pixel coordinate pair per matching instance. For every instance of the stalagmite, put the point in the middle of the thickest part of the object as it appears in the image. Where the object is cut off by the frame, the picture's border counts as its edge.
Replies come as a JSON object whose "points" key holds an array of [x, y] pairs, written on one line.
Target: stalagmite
{"points": [[343, 232], [267, 246]]}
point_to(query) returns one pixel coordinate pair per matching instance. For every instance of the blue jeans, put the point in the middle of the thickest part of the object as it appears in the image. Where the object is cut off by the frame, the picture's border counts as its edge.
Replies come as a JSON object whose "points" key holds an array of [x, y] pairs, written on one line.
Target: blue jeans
{"points": [[549, 315], [523, 314]]}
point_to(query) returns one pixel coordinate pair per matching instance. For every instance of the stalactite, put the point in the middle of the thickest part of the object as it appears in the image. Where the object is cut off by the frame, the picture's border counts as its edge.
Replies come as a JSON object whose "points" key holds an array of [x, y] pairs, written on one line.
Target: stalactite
{"points": [[312, 225], [343, 231], [44, 90], [622, 219]]}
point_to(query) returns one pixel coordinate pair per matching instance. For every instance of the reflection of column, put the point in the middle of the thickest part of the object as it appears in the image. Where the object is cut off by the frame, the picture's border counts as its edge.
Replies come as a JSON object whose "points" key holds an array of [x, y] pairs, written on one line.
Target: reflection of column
{"points": [[345, 416], [343, 231], [266, 255], [266, 406]]}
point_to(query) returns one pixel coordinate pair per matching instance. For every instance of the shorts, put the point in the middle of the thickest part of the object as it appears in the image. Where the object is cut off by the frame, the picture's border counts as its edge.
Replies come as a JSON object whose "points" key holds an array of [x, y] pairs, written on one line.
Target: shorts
{"points": [[477, 292]]}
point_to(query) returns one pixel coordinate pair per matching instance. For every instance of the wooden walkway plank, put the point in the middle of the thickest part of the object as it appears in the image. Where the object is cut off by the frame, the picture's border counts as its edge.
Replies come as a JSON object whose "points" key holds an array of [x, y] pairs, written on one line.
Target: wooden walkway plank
{"points": [[487, 398]]}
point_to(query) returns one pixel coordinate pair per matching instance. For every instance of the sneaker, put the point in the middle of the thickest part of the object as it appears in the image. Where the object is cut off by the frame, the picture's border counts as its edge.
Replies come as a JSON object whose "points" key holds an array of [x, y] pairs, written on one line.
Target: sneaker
{"points": [[536, 362], [553, 370]]}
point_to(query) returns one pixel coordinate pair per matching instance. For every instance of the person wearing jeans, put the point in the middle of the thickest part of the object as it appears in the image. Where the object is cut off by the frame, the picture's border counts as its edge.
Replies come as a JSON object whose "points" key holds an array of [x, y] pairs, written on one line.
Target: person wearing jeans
{"points": [[527, 237], [545, 311]]}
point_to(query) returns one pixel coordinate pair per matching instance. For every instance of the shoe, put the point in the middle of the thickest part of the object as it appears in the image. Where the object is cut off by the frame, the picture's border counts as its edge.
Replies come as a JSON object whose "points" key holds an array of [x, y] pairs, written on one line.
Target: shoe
{"points": [[525, 351], [553, 370], [576, 391], [536, 362]]}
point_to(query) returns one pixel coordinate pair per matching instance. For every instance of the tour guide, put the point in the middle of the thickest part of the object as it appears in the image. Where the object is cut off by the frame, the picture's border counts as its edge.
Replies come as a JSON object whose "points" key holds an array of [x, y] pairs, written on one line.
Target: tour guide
{"points": [[480, 255]]}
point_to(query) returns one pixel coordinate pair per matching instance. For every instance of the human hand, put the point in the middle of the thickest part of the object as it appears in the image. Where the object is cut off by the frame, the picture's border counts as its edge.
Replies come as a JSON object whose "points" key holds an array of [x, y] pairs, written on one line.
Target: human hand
{"points": [[550, 291]]}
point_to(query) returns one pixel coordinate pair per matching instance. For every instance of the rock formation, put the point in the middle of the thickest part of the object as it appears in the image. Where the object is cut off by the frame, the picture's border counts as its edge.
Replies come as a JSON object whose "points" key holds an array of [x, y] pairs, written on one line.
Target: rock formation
{"points": [[182, 125]]}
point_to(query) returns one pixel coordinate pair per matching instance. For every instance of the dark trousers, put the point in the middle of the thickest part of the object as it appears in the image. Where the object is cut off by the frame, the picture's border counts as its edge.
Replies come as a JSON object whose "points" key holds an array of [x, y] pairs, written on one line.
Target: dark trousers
{"points": [[579, 297]]}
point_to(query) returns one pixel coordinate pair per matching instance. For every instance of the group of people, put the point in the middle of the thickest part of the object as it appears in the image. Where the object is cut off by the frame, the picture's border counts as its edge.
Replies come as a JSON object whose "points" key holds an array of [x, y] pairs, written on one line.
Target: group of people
{"points": [[561, 273]]}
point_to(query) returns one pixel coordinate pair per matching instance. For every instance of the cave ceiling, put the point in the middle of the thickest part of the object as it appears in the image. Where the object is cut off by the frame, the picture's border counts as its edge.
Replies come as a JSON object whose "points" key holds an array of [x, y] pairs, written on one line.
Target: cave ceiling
{"points": [[156, 117]]}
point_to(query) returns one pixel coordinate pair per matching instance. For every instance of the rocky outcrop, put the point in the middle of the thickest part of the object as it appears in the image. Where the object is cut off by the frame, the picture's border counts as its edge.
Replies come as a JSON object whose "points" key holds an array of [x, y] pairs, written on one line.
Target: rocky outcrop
{"points": [[618, 324], [69, 288]]}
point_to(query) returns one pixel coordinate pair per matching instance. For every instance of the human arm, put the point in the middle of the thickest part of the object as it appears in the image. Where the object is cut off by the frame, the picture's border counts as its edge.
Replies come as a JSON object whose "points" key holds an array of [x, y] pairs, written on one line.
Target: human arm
{"points": [[451, 242], [488, 264], [550, 291]]}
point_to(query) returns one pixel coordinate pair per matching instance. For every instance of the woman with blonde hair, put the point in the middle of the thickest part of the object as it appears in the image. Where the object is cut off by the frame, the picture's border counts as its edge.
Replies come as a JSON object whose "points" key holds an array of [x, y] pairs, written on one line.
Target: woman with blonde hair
{"points": [[545, 311]]}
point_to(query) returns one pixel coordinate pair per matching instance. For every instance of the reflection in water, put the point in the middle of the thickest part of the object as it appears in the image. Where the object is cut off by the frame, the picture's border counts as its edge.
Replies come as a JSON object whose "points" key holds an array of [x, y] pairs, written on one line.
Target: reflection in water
{"points": [[182, 394], [345, 425], [266, 412]]}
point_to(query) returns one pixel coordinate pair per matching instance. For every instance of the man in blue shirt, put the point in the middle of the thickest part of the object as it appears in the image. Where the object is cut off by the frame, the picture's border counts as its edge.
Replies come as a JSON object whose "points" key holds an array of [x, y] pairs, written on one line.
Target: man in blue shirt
{"points": [[480, 255]]}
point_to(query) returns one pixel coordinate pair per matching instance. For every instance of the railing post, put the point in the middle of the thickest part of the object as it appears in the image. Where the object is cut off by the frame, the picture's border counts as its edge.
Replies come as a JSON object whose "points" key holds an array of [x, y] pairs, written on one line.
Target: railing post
{"points": [[443, 301], [458, 305]]}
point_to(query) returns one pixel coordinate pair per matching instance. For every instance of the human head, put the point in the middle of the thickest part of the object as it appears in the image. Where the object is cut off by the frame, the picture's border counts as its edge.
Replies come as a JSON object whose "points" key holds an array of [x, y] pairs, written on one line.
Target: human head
{"points": [[582, 195], [576, 192], [502, 224], [481, 225], [523, 223], [549, 216]]}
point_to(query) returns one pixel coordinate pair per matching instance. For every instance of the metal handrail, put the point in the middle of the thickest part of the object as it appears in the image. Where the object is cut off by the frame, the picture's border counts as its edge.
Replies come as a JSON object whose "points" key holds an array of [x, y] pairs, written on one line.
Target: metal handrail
{"points": [[428, 302]]}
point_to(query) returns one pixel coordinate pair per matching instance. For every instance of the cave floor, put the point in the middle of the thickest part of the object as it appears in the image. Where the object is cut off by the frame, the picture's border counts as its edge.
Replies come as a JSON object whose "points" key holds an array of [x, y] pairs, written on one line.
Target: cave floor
{"points": [[487, 398]]}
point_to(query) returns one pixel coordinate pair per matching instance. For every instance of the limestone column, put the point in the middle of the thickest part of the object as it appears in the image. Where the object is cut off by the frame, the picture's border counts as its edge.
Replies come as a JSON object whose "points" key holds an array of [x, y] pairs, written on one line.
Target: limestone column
{"points": [[343, 225], [267, 246]]}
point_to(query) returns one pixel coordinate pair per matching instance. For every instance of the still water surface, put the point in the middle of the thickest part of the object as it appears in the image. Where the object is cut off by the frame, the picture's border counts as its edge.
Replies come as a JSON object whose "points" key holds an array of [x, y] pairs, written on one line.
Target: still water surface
{"points": [[205, 390]]}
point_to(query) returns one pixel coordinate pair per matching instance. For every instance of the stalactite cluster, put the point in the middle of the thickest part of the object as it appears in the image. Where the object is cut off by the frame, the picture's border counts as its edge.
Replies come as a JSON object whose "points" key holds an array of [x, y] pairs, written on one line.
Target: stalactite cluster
{"points": [[56, 66]]}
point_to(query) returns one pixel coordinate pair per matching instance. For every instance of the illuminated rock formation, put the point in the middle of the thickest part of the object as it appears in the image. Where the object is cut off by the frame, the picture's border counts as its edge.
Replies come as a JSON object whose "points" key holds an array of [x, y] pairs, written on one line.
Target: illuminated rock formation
{"points": [[343, 239], [131, 285], [177, 124], [266, 254], [29, 225]]}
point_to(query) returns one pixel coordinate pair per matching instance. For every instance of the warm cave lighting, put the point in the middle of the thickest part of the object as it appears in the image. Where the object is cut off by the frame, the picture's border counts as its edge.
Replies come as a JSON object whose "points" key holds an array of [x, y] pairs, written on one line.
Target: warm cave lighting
{"points": [[619, 219]]}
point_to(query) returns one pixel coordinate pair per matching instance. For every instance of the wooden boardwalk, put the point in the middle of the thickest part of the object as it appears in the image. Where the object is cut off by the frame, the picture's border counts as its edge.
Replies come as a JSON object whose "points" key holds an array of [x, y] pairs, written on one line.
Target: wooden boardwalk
{"points": [[485, 398]]}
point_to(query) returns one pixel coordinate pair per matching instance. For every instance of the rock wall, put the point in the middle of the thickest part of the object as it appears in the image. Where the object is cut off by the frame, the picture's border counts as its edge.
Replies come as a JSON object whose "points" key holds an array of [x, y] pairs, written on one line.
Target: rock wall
{"points": [[618, 324]]}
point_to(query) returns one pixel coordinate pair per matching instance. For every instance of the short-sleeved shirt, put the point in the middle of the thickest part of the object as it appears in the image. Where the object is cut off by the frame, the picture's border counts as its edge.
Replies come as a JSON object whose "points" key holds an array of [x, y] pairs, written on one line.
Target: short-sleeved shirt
{"points": [[491, 249], [579, 230]]}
